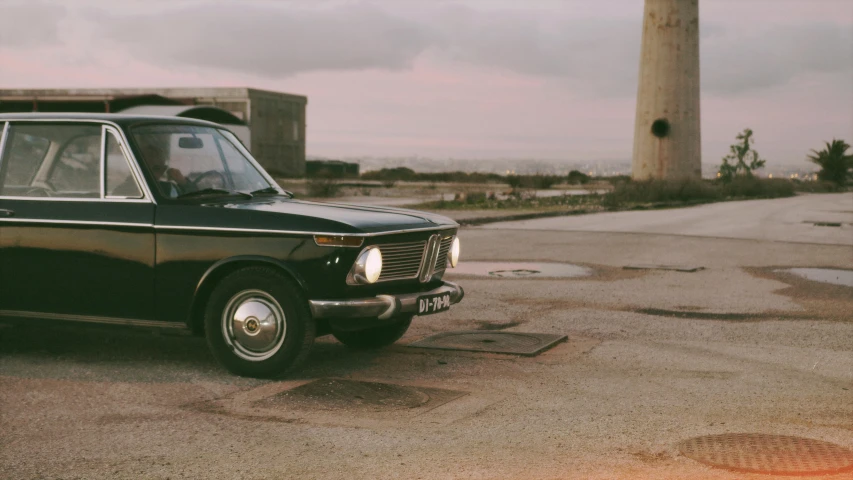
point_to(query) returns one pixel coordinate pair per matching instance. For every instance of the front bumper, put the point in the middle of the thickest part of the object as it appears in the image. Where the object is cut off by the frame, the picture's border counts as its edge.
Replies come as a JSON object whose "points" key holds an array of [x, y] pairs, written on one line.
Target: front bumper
{"points": [[382, 307]]}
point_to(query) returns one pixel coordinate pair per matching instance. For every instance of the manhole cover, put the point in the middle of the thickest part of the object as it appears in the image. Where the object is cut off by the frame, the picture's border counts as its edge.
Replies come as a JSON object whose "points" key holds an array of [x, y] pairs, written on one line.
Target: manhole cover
{"points": [[768, 454], [825, 275], [520, 269], [675, 268], [331, 393], [527, 344]]}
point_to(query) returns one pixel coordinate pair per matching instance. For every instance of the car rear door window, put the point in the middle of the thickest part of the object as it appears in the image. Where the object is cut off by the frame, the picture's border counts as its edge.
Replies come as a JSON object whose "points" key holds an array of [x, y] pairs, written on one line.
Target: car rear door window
{"points": [[52, 160], [24, 155]]}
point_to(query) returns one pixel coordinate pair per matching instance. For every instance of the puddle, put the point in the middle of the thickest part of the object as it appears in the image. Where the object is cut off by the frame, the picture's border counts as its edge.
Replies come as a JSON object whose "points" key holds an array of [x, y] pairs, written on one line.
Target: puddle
{"points": [[521, 269], [825, 275]]}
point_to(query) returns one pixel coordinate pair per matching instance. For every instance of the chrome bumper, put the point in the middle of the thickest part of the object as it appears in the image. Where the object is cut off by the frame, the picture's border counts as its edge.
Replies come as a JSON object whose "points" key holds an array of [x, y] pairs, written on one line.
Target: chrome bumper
{"points": [[381, 306]]}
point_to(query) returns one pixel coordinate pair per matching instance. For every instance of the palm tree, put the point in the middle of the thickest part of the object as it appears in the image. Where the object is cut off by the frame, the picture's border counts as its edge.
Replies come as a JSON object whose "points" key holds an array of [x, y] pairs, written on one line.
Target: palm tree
{"points": [[835, 165]]}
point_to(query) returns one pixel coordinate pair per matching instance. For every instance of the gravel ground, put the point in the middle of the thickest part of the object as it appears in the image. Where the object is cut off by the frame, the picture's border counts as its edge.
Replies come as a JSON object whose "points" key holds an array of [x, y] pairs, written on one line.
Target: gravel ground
{"points": [[652, 358]]}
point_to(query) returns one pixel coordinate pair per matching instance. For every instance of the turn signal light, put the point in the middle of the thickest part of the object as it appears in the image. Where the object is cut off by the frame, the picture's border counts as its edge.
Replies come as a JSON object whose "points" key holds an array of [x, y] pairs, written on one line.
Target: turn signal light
{"points": [[337, 241]]}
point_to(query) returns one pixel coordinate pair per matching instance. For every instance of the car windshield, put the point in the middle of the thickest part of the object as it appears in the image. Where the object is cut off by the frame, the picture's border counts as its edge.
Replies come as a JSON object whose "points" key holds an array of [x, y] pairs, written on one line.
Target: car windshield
{"points": [[192, 161]]}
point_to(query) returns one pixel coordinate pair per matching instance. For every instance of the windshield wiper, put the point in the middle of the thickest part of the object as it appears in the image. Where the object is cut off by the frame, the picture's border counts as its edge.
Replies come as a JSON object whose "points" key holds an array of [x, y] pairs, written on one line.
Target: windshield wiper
{"points": [[213, 191], [272, 190]]}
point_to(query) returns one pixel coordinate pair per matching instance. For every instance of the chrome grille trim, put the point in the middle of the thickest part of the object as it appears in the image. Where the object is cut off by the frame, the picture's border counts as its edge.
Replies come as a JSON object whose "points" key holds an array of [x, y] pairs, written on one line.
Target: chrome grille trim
{"points": [[401, 261], [443, 251]]}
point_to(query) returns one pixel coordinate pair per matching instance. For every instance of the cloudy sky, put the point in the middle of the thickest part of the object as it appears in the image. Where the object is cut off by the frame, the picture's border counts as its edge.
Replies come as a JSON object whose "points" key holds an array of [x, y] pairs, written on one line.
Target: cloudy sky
{"points": [[452, 78]]}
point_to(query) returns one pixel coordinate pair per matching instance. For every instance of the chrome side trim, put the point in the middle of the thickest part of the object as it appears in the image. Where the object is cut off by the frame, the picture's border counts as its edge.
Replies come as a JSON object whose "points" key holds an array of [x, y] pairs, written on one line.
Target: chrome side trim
{"points": [[72, 199], [380, 306], [74, 222], [93, 319], [191, 228], [297, 232]]}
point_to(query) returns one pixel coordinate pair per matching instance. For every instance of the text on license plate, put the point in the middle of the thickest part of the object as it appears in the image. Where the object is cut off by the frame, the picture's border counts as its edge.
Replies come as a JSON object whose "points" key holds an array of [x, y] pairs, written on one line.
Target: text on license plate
{"points": [[433, 303]]}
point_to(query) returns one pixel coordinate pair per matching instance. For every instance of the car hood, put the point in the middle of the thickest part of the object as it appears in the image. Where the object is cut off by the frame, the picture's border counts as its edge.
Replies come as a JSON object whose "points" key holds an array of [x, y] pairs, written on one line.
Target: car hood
{"points": [[304, 216]]}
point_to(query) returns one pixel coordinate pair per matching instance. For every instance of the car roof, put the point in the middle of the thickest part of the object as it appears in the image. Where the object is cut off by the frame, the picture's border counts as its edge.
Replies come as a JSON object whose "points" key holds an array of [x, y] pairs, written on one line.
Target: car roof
{"points": [[117, 118]]}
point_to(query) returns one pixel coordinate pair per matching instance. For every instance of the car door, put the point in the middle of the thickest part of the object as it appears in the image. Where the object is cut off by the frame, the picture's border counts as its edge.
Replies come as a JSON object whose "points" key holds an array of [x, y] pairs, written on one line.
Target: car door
{"points": [[76, 224]]}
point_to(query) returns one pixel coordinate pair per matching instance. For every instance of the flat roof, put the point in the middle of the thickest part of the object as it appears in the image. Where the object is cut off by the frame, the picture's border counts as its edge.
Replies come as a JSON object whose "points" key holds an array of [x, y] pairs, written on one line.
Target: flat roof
{"points": [[94, 94], [118, 118]]}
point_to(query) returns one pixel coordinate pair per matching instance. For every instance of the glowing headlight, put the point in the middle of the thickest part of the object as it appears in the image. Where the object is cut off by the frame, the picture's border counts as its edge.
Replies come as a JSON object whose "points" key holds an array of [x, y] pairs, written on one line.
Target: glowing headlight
{"points": [[367, 268], [453, 258], [373, 265]]}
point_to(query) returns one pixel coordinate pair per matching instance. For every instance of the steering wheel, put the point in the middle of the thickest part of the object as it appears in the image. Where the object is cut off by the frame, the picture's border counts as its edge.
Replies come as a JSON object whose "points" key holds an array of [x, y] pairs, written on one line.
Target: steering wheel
{"points": [[209, 179]]}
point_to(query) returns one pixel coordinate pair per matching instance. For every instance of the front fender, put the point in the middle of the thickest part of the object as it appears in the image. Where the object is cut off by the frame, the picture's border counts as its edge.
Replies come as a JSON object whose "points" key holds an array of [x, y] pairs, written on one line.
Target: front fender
{"points": [[223, 267]]}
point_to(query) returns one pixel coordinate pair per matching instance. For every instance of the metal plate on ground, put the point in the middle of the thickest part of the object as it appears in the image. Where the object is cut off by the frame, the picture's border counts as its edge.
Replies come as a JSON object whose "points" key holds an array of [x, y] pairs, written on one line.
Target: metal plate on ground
{"points": [[675, 268], [338, 394], [515, 343], [768, 454]]}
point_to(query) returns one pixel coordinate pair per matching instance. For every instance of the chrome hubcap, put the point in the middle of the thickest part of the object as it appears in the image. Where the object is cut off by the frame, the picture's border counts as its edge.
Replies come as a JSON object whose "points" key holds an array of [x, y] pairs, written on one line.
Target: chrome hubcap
{"points": [[253, 325]]}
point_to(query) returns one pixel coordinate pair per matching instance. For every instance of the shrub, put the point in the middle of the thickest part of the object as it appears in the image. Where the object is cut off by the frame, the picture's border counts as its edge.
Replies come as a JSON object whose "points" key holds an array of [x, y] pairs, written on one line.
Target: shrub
{"points": [[323, 185], [578, 178], [658, 191], [752, 187], [697, 191], [544, 182]]}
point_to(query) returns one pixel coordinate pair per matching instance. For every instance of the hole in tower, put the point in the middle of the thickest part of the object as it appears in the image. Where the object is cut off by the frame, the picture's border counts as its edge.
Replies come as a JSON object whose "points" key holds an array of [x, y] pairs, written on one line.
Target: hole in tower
{"points": [[660, 128]]}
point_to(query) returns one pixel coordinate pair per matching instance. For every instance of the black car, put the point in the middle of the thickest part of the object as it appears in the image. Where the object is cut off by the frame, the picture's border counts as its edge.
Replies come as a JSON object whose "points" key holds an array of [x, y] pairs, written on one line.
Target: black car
{"points": [[170, 223]]}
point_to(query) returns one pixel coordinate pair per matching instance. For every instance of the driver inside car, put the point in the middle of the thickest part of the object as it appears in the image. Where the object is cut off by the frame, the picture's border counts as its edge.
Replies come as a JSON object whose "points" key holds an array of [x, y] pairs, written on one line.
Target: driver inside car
{"points": [[170, 180]]}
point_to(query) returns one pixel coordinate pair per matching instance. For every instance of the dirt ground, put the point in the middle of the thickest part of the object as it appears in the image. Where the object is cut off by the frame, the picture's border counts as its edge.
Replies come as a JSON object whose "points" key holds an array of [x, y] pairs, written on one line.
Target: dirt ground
{"points": [[653, 358]]}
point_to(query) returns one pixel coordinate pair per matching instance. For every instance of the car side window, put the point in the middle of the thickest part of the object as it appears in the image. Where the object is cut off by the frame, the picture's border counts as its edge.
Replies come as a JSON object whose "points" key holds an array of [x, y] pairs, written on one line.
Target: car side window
{"points": [[119, 180], [25, 152], [76, 171]]}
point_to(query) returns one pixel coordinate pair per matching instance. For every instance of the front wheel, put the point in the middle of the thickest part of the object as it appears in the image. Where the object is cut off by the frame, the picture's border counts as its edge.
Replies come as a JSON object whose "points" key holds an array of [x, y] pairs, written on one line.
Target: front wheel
{"points": [[257, 323], [376, 337]]}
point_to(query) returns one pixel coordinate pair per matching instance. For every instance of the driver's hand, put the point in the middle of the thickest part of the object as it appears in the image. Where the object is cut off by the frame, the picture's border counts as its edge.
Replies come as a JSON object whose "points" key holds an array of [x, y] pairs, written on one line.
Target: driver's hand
{"points": [[176, 176]]}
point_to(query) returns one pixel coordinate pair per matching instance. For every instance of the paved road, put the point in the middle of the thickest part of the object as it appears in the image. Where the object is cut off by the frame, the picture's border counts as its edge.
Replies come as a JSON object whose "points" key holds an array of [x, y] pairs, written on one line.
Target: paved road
{"points": [[789, 220], [653, 358]]}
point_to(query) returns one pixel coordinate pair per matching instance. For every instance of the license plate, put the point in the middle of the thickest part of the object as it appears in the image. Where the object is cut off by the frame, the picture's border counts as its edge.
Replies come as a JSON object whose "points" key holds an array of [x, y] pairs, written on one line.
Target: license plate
{"points": [[429, 304]]}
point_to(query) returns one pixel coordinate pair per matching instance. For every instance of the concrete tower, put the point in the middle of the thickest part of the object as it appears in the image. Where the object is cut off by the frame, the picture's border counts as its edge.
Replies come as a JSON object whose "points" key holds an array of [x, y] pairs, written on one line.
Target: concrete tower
{"points": [[667, 141]]}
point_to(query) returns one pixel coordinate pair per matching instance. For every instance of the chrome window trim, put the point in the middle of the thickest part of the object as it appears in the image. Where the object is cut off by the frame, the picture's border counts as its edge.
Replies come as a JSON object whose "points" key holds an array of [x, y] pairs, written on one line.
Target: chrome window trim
{"points": [[3, 136], [103, 160], [147, 197], [127, 158]]}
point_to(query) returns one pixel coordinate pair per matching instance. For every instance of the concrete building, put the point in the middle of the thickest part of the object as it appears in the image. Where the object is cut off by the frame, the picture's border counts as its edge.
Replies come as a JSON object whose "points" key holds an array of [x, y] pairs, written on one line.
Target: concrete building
{"points": [[667, 138], [271, 124]]}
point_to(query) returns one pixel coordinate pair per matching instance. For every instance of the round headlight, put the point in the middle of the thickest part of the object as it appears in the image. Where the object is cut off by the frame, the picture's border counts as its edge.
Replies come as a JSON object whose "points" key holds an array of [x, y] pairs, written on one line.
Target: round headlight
{"points": [[373, 265], [453, 258]]}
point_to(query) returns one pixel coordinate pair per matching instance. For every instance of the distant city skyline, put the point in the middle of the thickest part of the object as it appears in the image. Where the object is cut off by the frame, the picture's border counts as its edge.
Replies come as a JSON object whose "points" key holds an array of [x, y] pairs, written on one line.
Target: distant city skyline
{"points": [[521, 166], [488, 79]]}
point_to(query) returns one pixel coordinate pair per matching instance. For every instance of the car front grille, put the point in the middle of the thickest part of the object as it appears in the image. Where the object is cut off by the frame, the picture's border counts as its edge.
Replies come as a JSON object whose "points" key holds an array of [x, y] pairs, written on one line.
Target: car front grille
{"points": [[403, 261], [443, 251]]}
